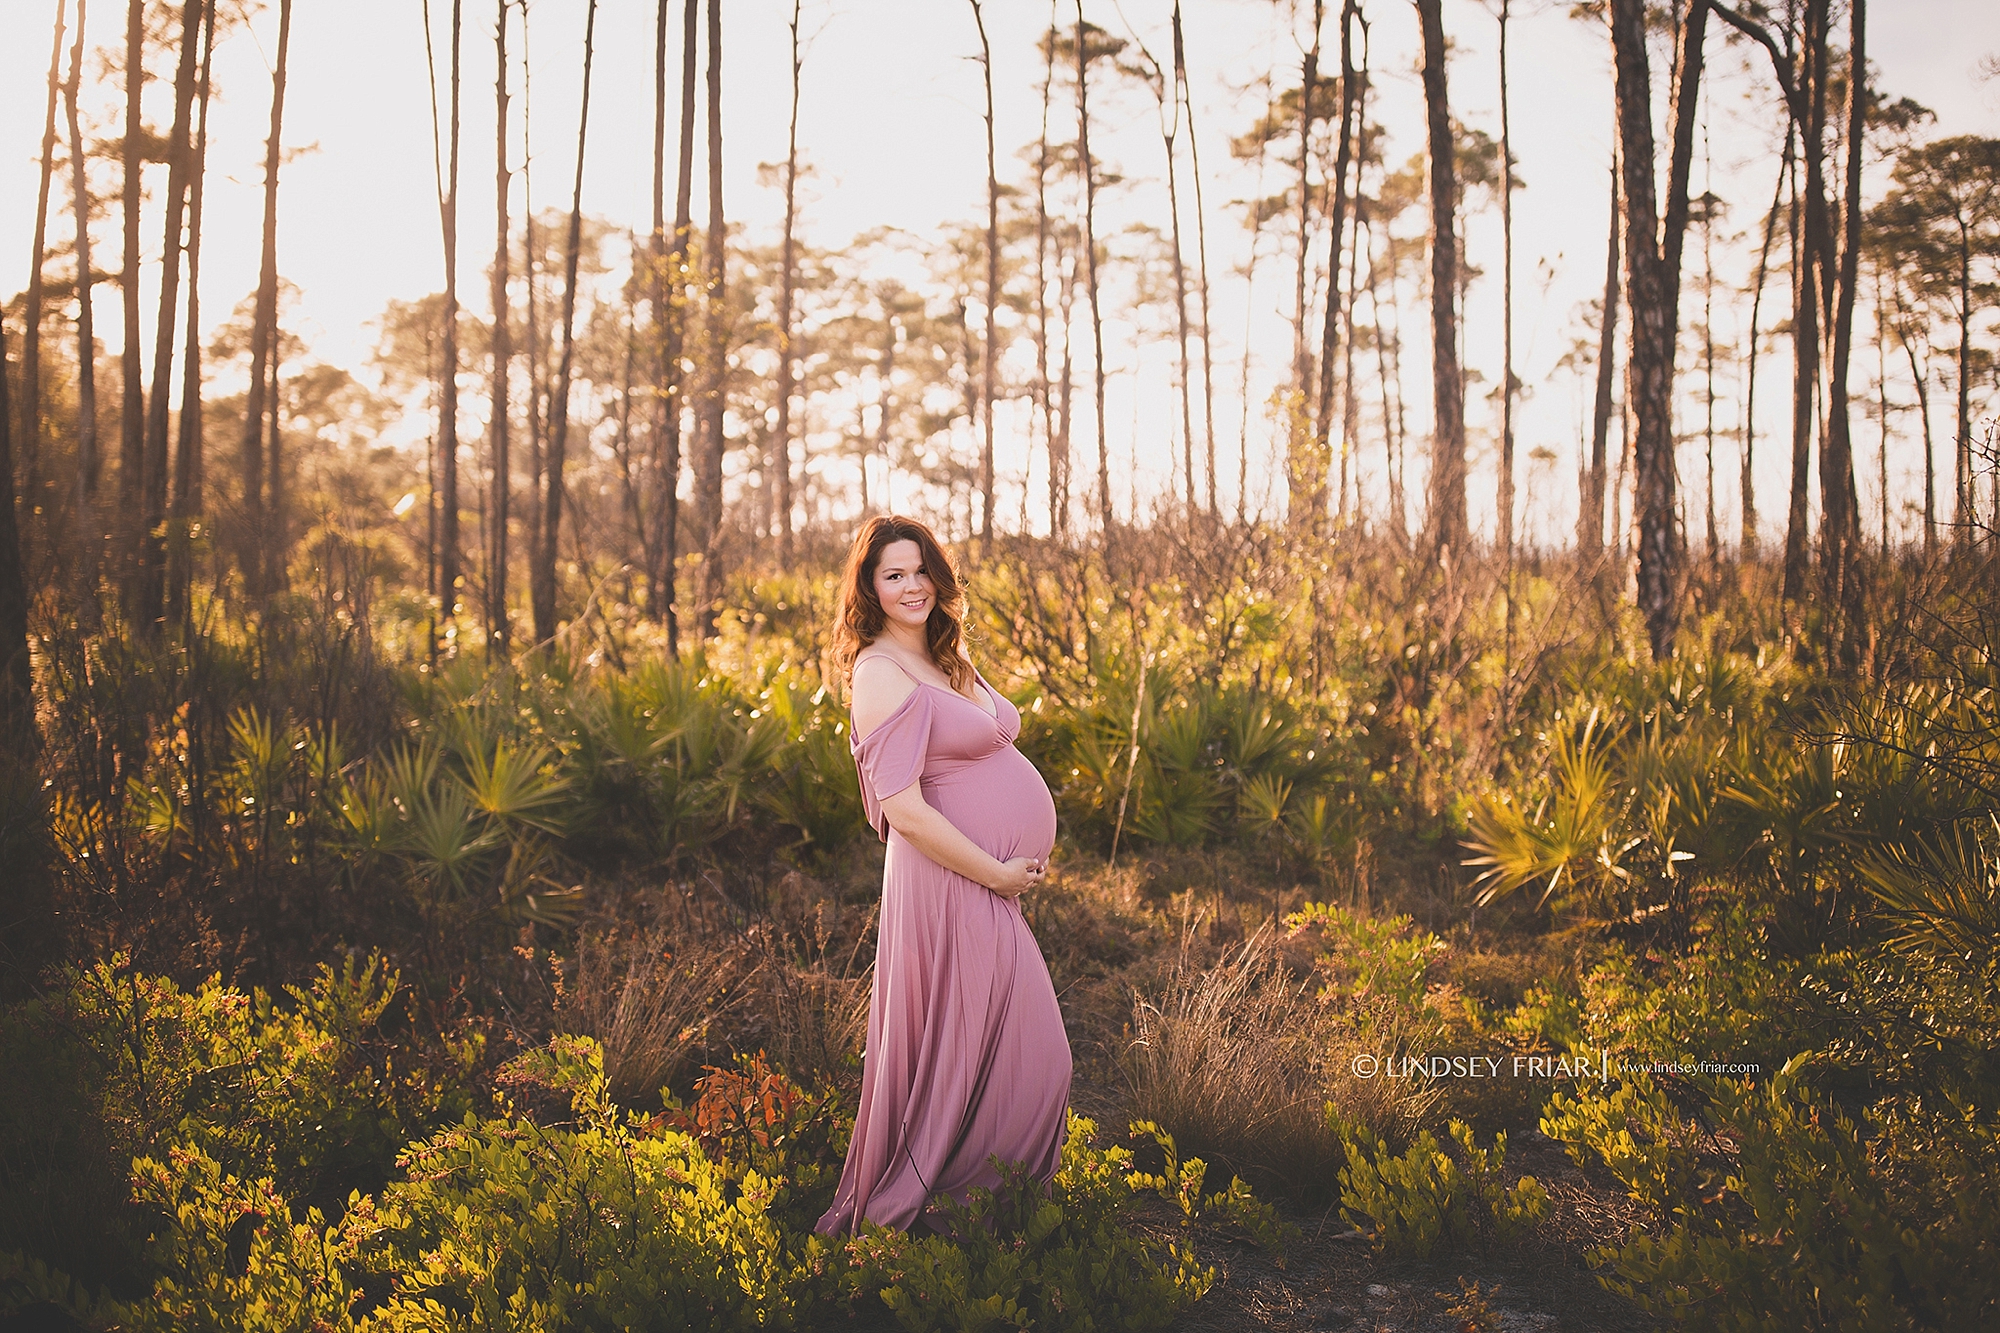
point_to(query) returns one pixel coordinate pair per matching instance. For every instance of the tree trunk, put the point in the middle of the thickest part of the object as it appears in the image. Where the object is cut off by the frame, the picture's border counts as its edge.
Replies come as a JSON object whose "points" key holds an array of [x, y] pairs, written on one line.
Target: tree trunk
{"points": [[497, 505], [447, 500], [89, 462], [991, 349], [1201, 257], [883, 412], [254, 534], [132, 415], [1385, 378], [1505, 497], [17, 686], [1964, 513], [1090, 268], [542, 586], [152, 550], [713, 445], [1170, 113], [1058, 489], [1447, 521], [1350, 397], [1840, 516], [1747, 483], [672, 309], [278, 546], [31, 334], [1590, 525], [1708, 368], [1653, 253], [781, 445], [1308, 88], [1330, 329], [186, 502], [1882, 404], [1065, 400], [1920, 377], [1809, 273]]}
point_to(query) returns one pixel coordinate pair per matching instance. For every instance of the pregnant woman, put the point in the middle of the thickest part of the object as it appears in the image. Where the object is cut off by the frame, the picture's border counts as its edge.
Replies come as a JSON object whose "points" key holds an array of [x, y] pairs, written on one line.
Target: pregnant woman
{"points": [[966, 1057]]}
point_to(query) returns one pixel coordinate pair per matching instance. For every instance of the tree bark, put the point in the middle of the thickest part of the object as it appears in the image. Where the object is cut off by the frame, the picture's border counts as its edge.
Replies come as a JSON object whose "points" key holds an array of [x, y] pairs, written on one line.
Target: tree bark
{"points": [[672, 309], [150, 604], [1920, 377], [1590, 526], [17, 686], [278, 545], [1964, 513], [498, 443], [132, 415], [1747, 482], [990, 361], [1201, 258], [254, 532], [1170, 113], [31, 334], [447, 500], [1840, 516], [1308, 89], [542, 586], [89, 462], [1330, 330], [185, 501], [1090, 267], [1505, 496], [1807, 279], [1058, 486], [1653, 255], [781, 445], [1447, 521], [713, 445]]}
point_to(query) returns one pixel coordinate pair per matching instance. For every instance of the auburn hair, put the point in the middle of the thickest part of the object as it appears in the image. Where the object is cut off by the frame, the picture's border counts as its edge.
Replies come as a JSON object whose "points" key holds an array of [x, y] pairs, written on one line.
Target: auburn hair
{"points": [[862, 618]]}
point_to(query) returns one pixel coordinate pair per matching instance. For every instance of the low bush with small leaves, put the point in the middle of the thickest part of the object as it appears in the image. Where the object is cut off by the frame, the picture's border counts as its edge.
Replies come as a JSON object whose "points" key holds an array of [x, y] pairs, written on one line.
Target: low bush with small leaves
{"points": [[1411, 1202], [1070, 1258]]}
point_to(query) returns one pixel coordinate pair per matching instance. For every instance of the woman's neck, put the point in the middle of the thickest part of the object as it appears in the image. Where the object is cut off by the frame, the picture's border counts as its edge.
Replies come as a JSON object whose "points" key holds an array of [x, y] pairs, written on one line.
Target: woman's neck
{"points": [[909, 638]]}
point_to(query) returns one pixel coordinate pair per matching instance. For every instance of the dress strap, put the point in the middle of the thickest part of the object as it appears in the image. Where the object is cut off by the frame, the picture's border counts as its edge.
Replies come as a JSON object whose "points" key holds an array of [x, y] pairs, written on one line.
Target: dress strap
{"points": [[890, 658]]}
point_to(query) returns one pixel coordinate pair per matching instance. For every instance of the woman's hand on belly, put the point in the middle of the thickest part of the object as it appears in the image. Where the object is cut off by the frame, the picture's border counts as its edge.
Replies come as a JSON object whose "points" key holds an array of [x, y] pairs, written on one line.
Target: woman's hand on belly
{"points": [[927, 830], [1023, 873]]}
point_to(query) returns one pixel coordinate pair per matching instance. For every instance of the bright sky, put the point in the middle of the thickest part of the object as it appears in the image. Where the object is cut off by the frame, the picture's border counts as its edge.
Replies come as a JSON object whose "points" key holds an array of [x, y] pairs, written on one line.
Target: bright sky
{"points": [[891, 123]]}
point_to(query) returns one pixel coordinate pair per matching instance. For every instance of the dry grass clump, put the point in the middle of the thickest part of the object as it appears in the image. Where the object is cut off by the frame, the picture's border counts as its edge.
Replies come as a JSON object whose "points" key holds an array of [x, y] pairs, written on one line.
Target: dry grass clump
{"points": [[810, 1011], [656, 992], [1231, 1059], [815, 1020]]}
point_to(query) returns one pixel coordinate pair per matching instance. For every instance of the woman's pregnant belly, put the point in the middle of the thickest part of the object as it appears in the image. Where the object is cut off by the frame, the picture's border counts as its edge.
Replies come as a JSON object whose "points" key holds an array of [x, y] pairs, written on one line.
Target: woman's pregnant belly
{"points": [[1000, 802]]}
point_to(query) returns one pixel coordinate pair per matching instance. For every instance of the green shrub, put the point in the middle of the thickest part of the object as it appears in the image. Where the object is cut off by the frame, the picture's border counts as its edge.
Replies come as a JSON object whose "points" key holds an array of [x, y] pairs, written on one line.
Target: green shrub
{"points": [[504, 1224], [1366, 957], [309, 1091], [1802, 1224], [753, 1120], [1066, 1259], [1413, 1201], [225, 1257]]}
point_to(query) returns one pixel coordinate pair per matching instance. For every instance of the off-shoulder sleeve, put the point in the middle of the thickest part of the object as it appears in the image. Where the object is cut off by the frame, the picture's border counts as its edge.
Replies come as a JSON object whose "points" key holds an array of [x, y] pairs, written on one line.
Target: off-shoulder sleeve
{"points": [[892, 756]]}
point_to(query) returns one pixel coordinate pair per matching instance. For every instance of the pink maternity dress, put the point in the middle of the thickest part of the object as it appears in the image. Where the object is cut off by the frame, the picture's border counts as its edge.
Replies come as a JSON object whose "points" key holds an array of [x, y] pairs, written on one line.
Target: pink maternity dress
{"points": [[967, 1058]]}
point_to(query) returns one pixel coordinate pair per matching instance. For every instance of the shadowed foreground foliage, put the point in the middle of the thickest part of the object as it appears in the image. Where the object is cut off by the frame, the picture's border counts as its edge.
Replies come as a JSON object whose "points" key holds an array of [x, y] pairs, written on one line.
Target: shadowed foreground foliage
{"points": [[599, 924]]}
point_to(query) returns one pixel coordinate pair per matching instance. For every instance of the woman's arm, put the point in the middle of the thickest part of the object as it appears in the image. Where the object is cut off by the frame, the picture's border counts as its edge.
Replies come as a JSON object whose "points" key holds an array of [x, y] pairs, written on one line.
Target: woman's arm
{"points": [[927, 830], [879, 690]]}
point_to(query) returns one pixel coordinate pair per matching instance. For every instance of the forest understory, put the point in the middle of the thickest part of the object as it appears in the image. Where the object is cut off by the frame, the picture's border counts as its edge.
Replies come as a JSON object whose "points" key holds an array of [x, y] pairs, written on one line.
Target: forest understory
{"points": [[1432, 960]]}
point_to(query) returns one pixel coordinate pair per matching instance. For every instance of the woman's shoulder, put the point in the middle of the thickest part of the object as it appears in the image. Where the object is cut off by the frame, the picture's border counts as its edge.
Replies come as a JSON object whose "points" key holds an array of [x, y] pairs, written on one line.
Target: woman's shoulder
{"points": [[880, 685]]}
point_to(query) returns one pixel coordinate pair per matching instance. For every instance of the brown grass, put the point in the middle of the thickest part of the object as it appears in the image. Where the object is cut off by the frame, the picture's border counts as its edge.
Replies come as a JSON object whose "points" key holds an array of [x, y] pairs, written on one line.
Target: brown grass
{"points": [[654, 991], [1230, 1059]]}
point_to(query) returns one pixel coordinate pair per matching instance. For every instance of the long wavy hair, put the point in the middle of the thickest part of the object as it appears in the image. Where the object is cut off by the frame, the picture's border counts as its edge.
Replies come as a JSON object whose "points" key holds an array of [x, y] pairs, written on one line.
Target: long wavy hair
{"points": [[862, 618]]}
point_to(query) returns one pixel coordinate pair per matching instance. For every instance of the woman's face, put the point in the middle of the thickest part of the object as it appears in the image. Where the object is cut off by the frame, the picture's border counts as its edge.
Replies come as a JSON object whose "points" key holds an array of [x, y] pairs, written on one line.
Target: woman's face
{"points": [[902, 586]]}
